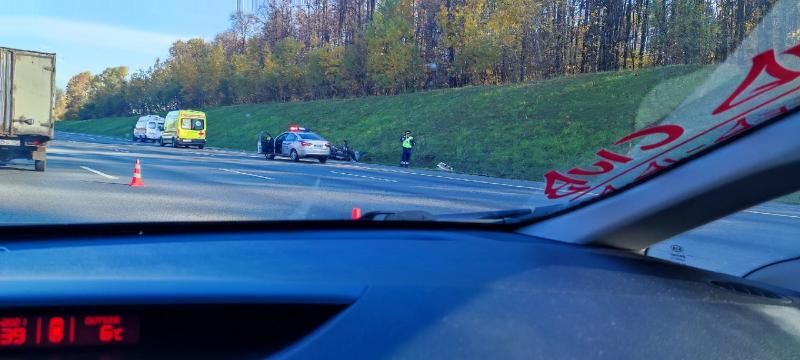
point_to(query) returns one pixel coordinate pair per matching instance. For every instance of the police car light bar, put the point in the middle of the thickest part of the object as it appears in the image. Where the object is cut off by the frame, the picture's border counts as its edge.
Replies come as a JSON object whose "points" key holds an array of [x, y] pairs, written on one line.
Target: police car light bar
{"points": [[296, 128]]}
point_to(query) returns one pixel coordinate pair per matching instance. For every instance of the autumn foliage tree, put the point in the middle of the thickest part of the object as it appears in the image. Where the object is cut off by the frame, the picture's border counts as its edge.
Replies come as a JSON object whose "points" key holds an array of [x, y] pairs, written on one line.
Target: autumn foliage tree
{"points": [[317, 49]]}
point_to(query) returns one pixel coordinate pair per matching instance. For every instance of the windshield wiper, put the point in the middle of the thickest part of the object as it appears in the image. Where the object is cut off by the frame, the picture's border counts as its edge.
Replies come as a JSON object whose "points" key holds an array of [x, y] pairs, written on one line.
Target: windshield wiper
{"points": [[398, 216], [499, 216]]}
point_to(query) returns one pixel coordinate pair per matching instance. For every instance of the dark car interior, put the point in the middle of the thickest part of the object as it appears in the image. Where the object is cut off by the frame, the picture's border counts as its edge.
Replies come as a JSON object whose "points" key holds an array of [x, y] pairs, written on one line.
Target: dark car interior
{"points": [[367, 289], [267, 143]]}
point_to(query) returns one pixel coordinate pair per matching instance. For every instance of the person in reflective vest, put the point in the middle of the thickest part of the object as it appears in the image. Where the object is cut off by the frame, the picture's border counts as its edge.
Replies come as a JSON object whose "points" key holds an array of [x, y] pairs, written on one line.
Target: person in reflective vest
{"points": [[408, 144]]}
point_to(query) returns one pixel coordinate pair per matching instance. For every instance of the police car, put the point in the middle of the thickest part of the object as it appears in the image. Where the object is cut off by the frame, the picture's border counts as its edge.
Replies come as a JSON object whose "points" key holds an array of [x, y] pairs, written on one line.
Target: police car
{"points": [[296, 144]]}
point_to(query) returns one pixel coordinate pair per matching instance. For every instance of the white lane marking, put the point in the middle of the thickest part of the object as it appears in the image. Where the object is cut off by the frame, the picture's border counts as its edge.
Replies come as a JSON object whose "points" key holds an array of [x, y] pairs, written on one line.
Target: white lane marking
{"points": [[772, 214], [247, 174], [452, 178], [364, 176], [98, 172]]}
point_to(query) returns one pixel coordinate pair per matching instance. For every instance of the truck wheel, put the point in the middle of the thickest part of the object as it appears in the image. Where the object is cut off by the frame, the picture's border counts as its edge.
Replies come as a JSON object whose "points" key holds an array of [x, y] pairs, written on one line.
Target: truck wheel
{"points": [[269, 156], [323, 159], [39, 165], [294, 156], [160, 141], [174, 143], [200, 147]]}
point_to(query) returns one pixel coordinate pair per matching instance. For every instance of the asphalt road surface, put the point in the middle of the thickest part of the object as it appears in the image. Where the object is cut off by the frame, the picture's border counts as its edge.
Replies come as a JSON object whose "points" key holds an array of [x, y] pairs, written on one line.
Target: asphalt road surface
{"points": [[87, 176]]}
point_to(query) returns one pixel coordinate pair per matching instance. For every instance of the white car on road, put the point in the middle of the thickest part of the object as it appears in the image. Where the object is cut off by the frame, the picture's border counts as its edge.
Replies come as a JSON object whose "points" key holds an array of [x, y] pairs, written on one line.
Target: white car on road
{"points": [[148, 128], [297, 143]]}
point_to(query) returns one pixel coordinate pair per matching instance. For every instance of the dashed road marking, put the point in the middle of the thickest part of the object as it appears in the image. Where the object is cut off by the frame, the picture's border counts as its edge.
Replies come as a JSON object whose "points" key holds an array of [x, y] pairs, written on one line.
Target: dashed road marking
{"points": [[248, 174], [98, 172], [450, 178], [364, 176]]}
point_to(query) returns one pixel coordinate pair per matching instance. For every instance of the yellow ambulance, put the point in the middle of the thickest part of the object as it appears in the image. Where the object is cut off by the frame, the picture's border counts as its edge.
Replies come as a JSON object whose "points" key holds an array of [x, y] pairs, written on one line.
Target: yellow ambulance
{"points": [[184, 128]]}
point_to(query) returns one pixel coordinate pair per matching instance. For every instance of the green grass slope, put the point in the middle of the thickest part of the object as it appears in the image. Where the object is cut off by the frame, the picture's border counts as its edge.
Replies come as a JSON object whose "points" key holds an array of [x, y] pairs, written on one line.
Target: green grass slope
{"points": [[517, 131]]}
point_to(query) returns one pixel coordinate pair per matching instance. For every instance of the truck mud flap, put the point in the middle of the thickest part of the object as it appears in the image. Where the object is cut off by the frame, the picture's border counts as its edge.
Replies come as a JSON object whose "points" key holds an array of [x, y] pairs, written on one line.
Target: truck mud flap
{"points": [[39, 154]]}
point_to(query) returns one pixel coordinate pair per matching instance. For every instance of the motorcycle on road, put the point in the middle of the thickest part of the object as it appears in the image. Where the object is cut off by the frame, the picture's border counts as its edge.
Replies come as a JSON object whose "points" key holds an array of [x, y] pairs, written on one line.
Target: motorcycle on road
{"points": [[345, 152]]}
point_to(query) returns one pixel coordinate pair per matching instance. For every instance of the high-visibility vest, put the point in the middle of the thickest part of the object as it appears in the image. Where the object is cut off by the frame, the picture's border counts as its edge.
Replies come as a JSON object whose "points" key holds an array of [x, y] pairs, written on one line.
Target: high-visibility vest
{"points": [[407, 142]]}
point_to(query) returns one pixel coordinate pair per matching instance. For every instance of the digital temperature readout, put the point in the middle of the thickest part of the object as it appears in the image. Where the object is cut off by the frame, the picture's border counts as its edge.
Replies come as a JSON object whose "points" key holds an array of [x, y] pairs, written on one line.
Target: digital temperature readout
{"points": [[67, 330]]}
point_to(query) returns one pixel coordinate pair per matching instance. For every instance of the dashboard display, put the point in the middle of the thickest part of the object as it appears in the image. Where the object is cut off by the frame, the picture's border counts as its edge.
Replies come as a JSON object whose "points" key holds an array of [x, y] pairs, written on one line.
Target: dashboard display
{"points": [[168, 330], [62, 330]]}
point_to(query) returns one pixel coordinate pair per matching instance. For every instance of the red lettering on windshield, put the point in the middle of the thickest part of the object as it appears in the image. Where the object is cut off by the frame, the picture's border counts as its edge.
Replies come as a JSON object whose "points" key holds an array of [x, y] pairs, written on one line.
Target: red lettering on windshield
{"points": [[556, 181], [764, 62], [603, 165], [654, 167], [603, 153], [738, 127], [560, 185], [769, 114], [672, 132]]}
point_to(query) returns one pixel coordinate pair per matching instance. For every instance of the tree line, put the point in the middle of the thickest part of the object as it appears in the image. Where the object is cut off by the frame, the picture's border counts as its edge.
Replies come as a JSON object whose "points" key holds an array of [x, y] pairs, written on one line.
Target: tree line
{"points": [[318, 49]]}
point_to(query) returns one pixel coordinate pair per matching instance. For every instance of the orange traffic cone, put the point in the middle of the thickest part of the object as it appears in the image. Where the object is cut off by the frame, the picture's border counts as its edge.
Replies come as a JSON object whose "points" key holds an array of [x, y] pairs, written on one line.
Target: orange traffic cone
{"points": [[355, 214], [137, 175]]}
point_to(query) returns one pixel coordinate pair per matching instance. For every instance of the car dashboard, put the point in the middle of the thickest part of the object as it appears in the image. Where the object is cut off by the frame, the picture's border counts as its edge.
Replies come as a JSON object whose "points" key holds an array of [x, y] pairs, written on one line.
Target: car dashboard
{"points": [[382, 291]]}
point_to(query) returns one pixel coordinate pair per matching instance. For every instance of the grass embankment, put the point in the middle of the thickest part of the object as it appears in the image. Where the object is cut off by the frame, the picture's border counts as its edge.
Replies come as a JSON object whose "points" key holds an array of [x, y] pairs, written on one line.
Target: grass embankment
{"points": [[517, 131]]}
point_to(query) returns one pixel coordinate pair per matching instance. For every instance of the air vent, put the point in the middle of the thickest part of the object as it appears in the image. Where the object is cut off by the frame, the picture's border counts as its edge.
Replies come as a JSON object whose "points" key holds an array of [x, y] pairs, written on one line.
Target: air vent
{"points": [[749, 290]]}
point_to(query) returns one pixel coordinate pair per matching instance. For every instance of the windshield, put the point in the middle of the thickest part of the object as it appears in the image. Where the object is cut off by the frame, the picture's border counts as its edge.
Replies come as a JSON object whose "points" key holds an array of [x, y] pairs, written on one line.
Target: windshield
{"points": [[449, 107], [757, 82], [310, 136]]}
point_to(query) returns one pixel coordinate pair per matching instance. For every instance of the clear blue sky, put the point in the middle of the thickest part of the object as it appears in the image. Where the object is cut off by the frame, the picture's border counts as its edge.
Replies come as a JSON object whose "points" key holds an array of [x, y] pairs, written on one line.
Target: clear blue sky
{"points": [[95, 34]]}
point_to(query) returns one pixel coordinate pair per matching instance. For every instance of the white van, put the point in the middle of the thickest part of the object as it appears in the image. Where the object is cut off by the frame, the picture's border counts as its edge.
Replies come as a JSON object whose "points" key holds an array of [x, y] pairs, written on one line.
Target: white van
{"points": [[148, 128]]}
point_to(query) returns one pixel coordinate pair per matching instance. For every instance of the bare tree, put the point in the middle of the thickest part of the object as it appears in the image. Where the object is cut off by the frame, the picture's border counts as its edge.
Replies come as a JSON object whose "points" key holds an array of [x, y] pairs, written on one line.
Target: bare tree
{"points": [[243, 26]]}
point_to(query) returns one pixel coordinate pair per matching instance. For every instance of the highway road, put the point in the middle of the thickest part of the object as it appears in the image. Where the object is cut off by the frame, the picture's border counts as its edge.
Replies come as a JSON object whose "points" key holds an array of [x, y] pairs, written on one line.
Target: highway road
{"points": [[87, 176]]}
